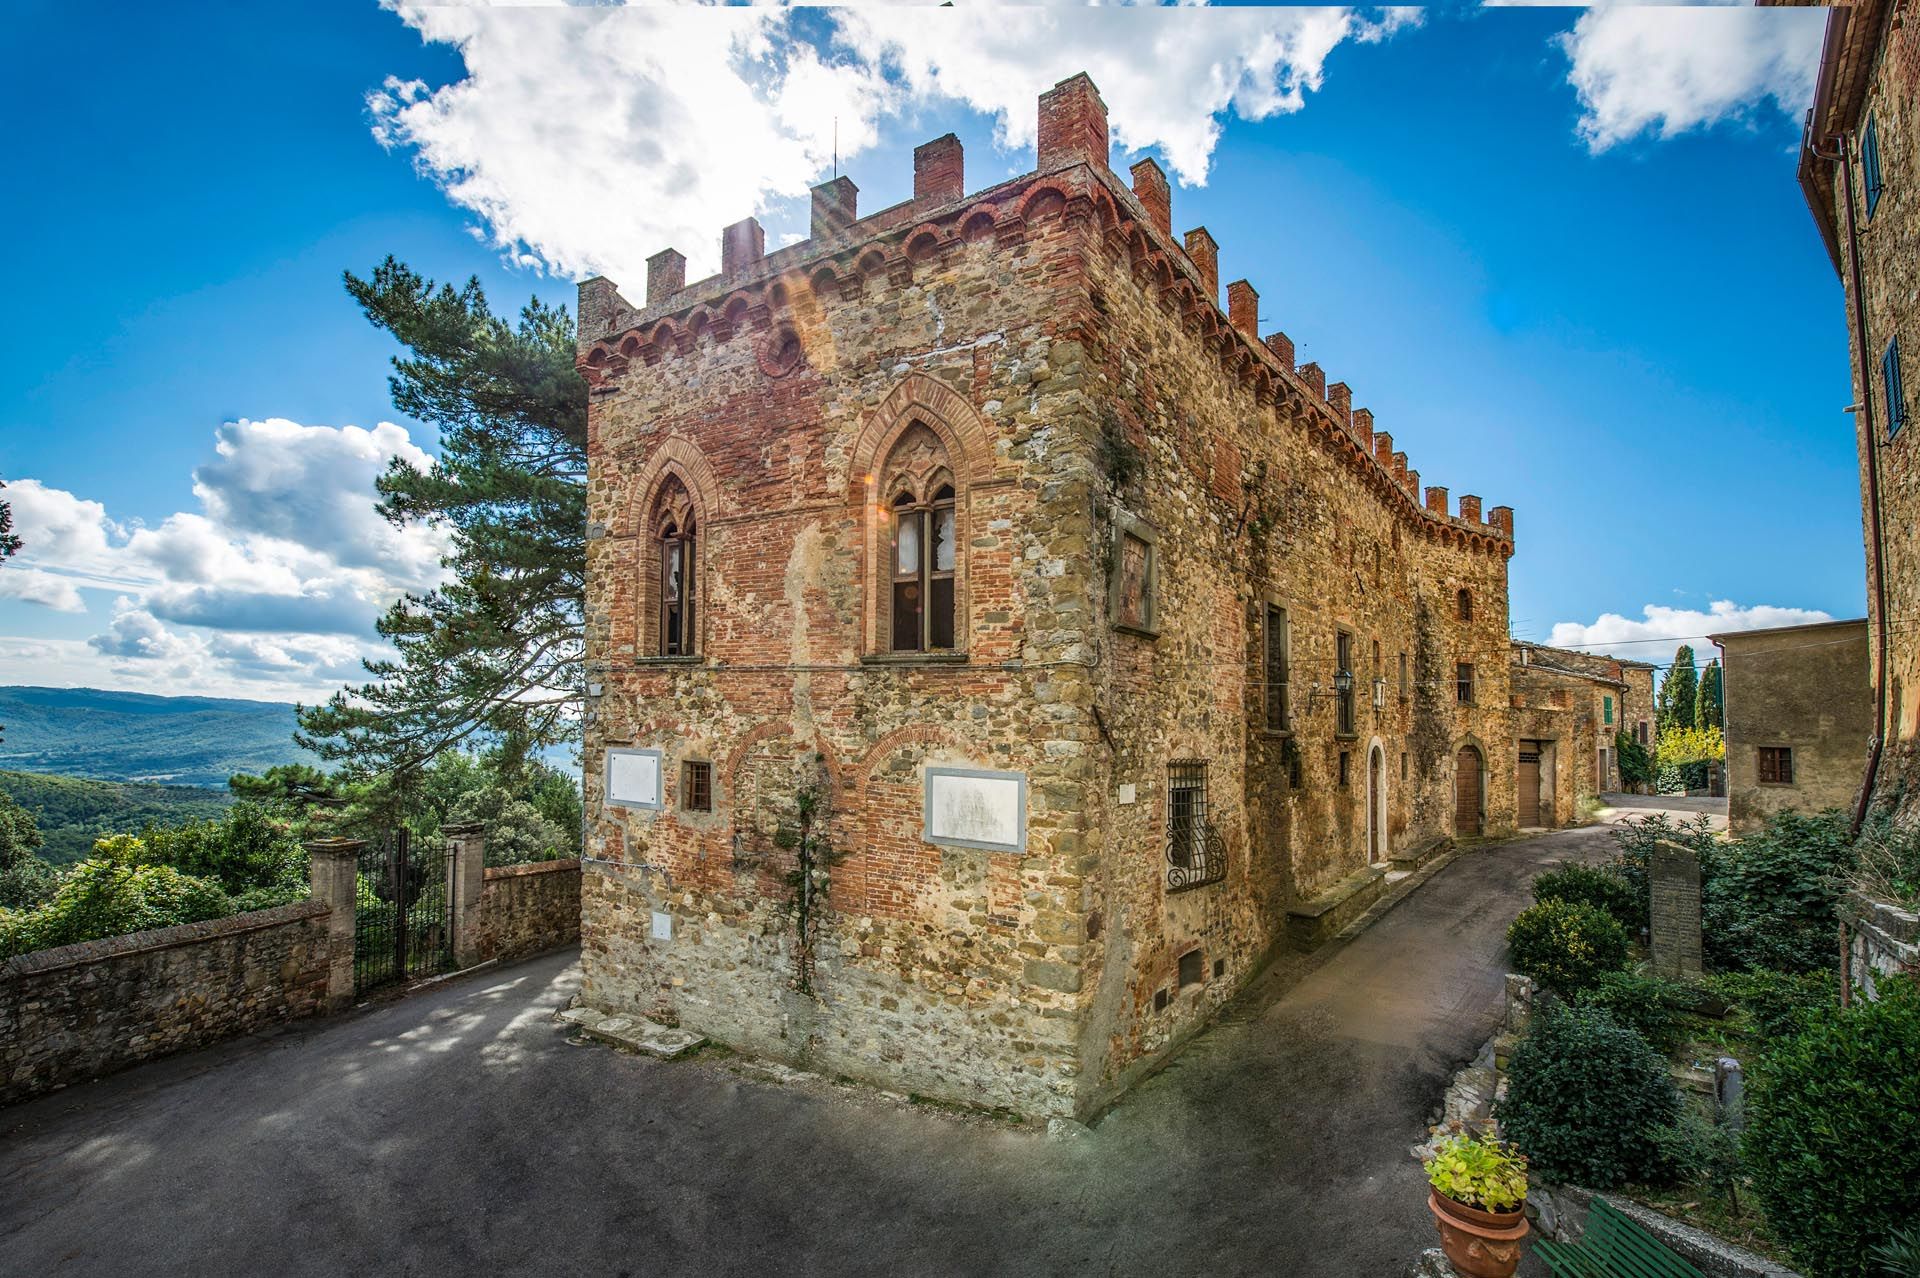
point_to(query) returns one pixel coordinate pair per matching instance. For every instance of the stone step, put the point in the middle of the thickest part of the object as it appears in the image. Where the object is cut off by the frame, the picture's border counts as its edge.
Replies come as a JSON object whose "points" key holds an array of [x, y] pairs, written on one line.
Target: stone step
{"points": [[1312, 924], [1414, 858], [635, 1033]]}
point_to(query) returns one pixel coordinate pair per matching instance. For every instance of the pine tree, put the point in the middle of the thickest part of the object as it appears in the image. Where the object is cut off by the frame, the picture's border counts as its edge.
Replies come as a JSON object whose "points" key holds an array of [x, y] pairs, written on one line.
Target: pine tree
{"points": [[9, 540], [498, 650], [1678, 690], [1707, 704]]}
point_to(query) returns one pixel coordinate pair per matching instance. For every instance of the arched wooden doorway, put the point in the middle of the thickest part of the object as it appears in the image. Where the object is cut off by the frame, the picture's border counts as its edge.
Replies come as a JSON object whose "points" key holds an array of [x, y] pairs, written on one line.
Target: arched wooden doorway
{"points": [[1468, 770], [1376, 805]]}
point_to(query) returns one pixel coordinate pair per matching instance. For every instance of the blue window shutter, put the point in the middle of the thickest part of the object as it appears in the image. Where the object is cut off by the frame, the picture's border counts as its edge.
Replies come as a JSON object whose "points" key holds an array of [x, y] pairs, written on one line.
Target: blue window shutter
{"points": [[1896, 393], [1870, 165]]}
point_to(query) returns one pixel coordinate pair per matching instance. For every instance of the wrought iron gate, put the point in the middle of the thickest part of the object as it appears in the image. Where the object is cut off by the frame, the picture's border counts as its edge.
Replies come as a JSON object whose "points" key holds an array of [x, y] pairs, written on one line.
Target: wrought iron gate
{"points": [[403, 911]]}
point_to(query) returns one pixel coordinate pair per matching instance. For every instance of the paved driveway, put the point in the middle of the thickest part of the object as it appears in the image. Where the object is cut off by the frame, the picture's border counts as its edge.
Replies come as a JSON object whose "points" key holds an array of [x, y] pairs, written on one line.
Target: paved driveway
{"points": [[458, 1131]]}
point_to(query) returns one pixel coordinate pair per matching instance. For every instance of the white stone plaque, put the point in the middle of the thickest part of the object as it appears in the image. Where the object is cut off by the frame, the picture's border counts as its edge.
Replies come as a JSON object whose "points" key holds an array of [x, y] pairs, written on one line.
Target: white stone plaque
{"points": [[633, 778], [1129, 793], [973, 808], [662, 926]]}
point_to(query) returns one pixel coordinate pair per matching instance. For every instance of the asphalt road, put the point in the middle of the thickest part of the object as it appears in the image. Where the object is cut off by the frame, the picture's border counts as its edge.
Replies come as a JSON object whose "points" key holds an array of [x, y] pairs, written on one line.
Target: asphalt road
{"points": [[459, 1131]]}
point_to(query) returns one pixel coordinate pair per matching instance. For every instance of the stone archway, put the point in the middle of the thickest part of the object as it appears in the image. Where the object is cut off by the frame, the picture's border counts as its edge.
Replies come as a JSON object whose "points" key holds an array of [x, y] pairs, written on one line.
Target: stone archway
{"points": [[1377, 849]]}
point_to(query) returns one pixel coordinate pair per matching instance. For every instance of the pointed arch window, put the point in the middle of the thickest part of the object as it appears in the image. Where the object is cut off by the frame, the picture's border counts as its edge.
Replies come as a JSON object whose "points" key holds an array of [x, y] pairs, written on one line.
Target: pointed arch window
{"points": [[674, 535], [922, 545]]}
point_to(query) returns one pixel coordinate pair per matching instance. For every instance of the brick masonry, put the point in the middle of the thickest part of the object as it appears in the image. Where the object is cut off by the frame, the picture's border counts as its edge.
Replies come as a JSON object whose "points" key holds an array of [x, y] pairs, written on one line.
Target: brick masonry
{"points": [[529, 909], [1049, 349], [84, 1010]]}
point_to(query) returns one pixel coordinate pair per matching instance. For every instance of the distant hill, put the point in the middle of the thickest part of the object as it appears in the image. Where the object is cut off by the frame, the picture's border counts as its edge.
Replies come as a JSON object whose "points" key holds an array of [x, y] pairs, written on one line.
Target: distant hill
{"points": [[72, 811], [129, 736]]}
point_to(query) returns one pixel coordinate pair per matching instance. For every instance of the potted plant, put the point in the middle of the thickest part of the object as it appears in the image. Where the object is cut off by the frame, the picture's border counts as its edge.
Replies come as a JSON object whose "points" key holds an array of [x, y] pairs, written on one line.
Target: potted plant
{"points": [[1478, 1199]]}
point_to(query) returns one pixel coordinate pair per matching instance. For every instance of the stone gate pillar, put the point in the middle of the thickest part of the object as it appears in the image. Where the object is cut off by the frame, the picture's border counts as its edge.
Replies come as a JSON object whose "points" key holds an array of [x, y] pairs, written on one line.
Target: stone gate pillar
{"points": [[332, 866], [468, 879]]}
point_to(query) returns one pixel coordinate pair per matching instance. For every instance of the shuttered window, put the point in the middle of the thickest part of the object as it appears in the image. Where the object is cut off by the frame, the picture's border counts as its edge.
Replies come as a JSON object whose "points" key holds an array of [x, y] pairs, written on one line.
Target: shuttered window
{"points": [[1896, 391], [1776, 765], [1870, 165]]}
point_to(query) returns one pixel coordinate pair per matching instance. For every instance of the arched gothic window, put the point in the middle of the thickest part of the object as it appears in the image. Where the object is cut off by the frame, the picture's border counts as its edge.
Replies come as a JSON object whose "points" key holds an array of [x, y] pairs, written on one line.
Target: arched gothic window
{"points": [[1466, 605], [921, 544], [673, 539]]}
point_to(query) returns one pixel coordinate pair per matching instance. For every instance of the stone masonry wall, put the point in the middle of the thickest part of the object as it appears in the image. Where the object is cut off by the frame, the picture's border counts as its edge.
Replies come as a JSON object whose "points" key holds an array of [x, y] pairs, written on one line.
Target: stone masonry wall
{"points": [[529, 909], [1805, 688], [1889, 245], [84, 1010]]}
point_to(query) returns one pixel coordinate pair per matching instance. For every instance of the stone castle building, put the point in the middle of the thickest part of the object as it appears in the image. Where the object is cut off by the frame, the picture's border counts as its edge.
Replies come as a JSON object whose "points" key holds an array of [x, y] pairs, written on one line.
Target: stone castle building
{"points": [[1107, 647], [1860, 170]]}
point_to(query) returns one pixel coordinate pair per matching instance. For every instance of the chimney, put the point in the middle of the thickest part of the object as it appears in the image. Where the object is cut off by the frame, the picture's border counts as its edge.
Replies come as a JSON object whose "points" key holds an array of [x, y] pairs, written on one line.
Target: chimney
{"points": [[1243, 308], [1437, 500], [1282, 347], [1340, 397], [1150, 188], [834, 203], [1205, 256], [1073, 125], [938, 172], [1470, 508], [1315, 379], [666, 275]]}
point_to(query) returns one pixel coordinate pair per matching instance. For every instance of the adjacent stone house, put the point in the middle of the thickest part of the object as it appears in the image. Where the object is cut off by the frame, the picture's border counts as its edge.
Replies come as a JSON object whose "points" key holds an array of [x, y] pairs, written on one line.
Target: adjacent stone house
{"points": [[1860, 170], [1799, 709], [1106, 645], [1568, 709]]}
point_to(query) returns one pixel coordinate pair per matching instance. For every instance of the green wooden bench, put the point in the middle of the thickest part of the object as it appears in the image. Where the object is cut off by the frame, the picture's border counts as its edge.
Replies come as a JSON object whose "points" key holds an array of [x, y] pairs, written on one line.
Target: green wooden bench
{"points": [[1613, 1247]]}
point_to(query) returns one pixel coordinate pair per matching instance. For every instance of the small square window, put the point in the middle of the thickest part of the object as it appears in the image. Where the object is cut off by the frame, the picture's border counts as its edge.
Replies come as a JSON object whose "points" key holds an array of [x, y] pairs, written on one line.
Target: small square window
{"points": [[1193, 967], [1463, 683], [1160, 1000], [696, 786], [1219, 968], [1776, 765]]}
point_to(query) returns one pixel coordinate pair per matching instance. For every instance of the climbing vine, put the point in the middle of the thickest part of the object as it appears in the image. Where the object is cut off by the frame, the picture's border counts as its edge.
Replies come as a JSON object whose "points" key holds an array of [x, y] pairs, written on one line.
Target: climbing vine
{"points": [[808, 881]]}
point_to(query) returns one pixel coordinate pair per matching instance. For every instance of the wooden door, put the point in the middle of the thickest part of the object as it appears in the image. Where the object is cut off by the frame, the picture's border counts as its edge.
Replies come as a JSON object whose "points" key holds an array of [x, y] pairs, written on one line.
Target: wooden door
{"points": [[1466, 792], [1529, 782]]}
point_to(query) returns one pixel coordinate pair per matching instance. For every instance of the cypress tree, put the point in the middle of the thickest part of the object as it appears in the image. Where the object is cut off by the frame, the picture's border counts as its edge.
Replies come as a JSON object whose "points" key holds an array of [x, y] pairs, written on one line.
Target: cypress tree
{"points": [[1707, 703], [1678, 691]]}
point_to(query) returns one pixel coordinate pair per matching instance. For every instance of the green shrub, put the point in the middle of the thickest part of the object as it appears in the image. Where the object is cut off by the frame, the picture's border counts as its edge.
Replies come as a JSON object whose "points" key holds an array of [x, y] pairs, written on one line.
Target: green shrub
{"points": [[1596, 885], [1647, 1004], [1587, 1099], [1635, 840], [27, 882], [1777, 1004], [1833, 1131], [1889, 864], [1566, 946], [1899, 1255], [1701, 1151], [100, 898]]}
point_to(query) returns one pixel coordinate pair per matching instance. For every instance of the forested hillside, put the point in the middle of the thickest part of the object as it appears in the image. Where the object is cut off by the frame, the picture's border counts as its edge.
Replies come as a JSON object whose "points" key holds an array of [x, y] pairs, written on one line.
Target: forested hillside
{"points": [[128, 736], [73, 811]]}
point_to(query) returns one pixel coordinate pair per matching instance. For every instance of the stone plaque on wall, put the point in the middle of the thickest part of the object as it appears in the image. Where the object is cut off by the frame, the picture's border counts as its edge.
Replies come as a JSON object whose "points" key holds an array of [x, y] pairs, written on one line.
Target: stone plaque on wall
{"points": [[1673, 880]]}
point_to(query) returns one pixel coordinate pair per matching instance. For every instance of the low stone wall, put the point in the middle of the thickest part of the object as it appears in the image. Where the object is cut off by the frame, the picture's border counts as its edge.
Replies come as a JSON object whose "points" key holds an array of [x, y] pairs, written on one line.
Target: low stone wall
{"points": [[529, 909], [1882, 940], [84, 1010]]}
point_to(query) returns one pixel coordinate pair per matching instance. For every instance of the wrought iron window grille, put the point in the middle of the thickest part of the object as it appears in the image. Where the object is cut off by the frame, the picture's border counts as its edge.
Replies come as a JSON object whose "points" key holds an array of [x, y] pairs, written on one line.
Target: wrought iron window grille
{"points": [[1196, 853]]}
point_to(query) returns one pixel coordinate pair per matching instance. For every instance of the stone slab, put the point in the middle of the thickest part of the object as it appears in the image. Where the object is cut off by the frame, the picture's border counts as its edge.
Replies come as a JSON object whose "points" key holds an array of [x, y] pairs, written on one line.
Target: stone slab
{"points": [[1674, 885], [635, 1033]]}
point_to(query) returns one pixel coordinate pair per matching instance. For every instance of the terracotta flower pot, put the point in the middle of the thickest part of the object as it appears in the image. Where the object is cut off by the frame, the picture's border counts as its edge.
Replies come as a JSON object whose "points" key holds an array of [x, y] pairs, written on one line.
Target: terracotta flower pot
{"points": [[1479, 1244]]}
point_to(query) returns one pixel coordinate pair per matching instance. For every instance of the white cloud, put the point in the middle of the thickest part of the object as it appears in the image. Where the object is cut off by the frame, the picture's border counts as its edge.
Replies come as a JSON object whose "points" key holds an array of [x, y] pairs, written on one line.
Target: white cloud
{"points": [[1667, 70], [49, 590], [272, 586], [1648, 638], [587, 139]]}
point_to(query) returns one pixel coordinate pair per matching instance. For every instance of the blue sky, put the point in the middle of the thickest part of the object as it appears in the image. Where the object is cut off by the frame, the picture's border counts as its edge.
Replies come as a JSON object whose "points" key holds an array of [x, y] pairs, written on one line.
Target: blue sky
{"points": [[1562, 258]]}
